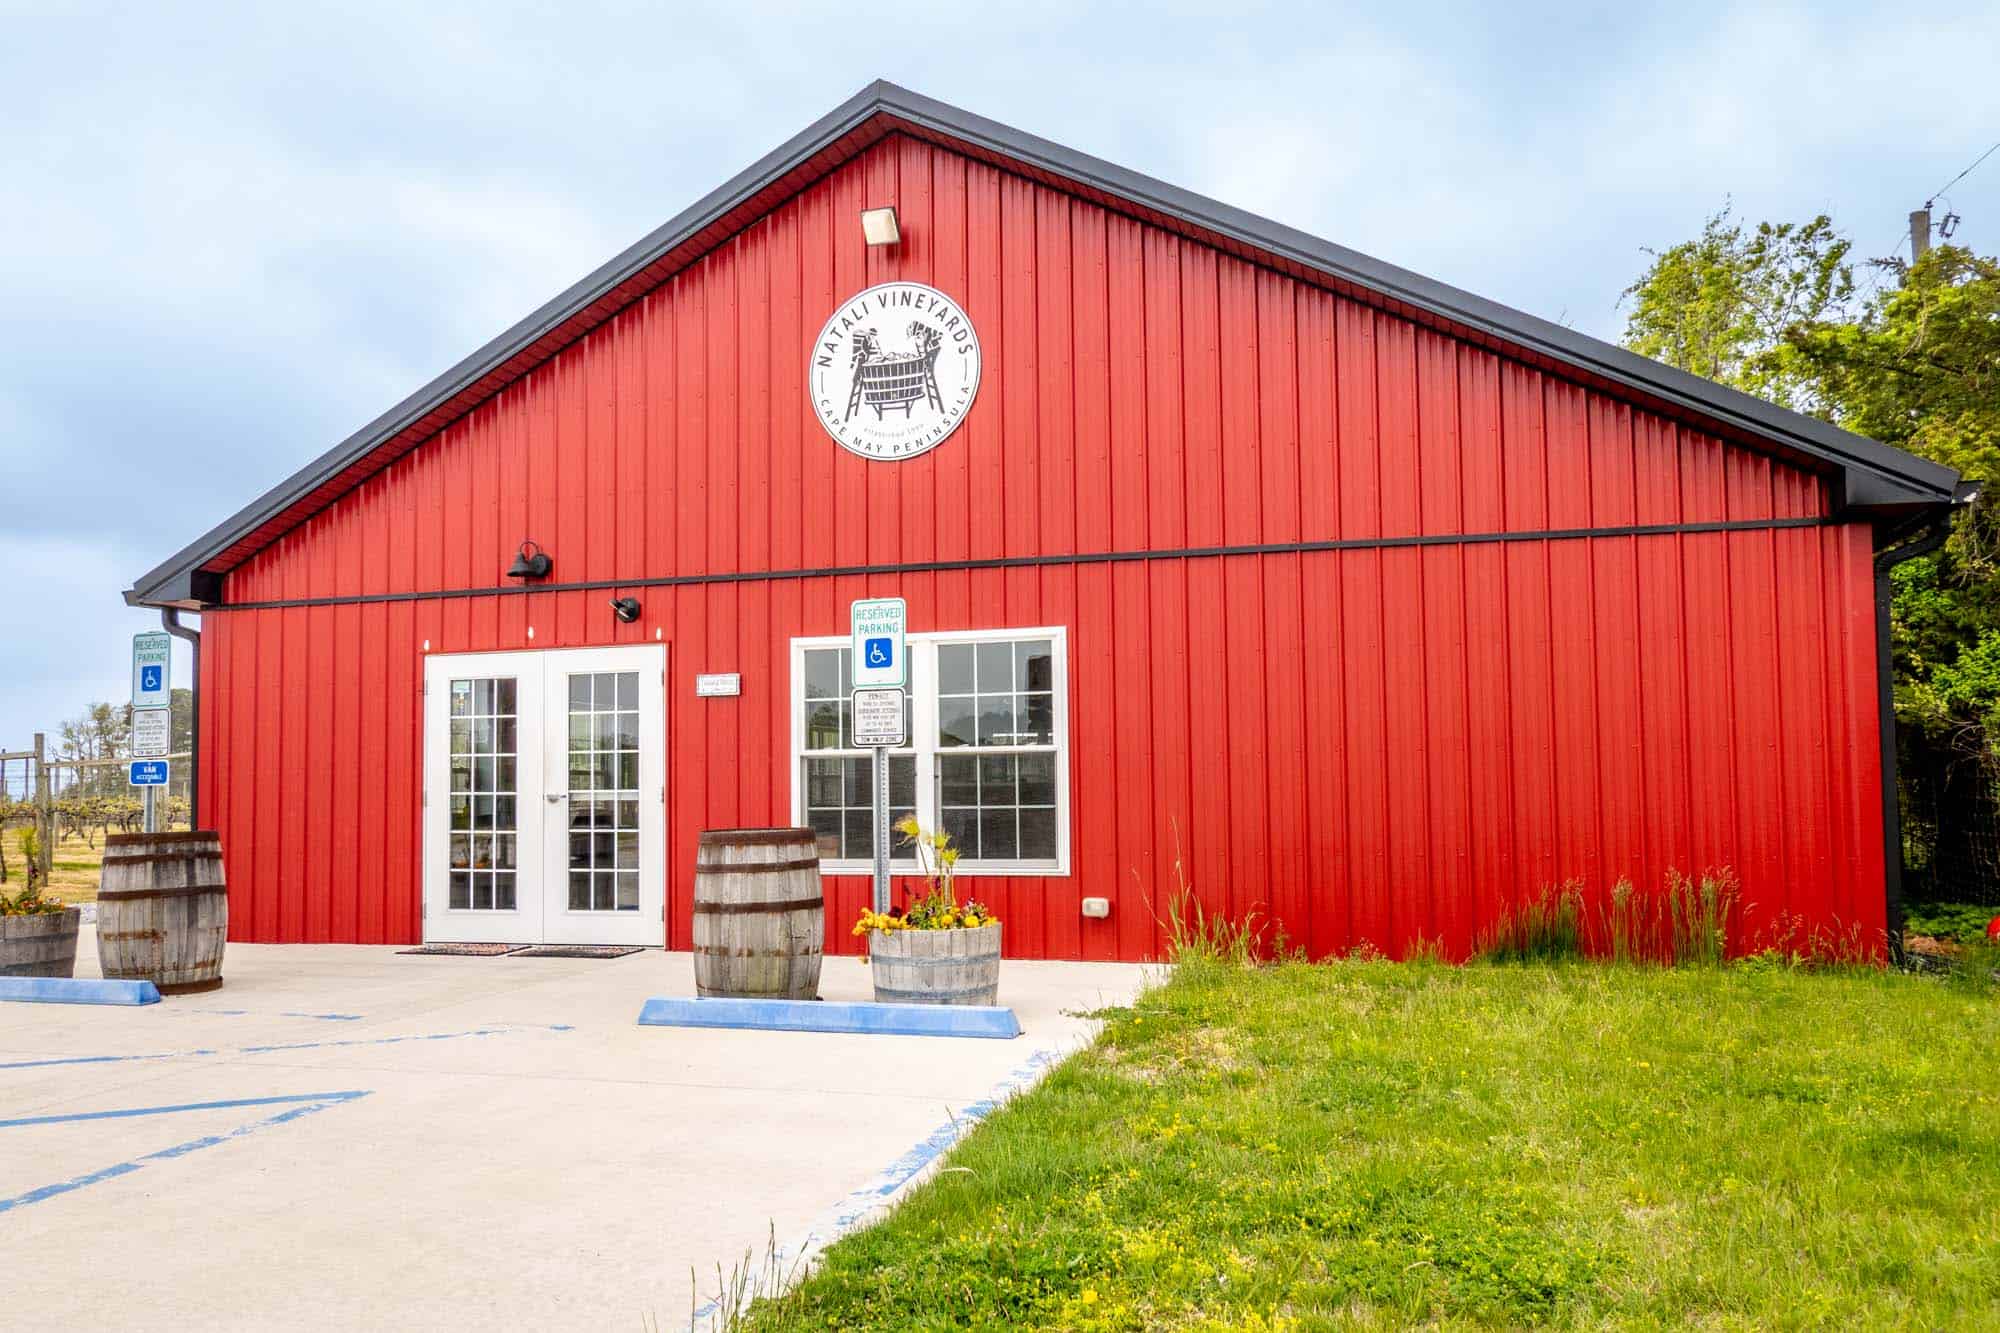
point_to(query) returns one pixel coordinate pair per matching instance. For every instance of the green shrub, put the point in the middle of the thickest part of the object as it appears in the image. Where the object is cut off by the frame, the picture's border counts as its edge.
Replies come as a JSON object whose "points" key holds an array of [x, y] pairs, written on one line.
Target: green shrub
{"points": [[1964, 923]]}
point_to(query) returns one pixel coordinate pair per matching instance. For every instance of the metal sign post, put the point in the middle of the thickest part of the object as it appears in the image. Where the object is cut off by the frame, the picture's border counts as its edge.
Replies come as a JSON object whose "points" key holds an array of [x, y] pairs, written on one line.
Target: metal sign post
{"points": [[878, 724], [879, 657], [881, 828]]}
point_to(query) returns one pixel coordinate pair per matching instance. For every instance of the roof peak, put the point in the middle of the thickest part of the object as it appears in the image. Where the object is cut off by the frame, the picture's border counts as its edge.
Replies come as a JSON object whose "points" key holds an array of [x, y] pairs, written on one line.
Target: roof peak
{"points": [[1875, 476]]}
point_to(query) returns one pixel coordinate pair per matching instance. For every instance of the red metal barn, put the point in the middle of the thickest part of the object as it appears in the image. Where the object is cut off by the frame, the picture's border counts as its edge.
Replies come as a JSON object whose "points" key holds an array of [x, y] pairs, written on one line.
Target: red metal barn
{"points": [[1374, 604]]}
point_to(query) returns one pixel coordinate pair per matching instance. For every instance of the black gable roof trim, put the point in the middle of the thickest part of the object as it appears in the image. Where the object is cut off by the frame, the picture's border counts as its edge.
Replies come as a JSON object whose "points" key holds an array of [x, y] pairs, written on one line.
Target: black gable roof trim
{"points": [[1874, 476]]}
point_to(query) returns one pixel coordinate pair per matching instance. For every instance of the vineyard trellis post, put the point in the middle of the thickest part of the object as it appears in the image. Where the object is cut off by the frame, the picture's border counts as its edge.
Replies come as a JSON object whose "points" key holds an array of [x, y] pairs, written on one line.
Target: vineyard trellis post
{"points": [[45, 808]]}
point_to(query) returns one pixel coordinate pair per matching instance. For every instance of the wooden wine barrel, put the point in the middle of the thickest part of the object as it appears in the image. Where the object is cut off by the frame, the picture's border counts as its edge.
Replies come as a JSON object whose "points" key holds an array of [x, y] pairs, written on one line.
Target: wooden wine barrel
{"points": [[162, 910], [759, 914], [936, 966]]}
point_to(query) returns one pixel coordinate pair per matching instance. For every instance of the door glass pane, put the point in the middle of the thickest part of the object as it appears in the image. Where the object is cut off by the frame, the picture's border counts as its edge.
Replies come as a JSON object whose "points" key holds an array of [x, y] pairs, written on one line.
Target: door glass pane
{"points": [[481, 850], [604, 791]]}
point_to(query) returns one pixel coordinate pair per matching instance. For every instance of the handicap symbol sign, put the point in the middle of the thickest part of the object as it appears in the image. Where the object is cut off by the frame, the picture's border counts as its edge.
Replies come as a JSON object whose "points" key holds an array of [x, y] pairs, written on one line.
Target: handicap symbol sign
{"points": [[880, 659], [149, 678]]}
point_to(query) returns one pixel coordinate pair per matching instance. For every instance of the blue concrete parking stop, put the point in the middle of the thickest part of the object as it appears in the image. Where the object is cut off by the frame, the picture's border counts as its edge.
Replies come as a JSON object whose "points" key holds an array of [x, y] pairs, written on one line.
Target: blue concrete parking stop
{"points": [[887, 1020], [76, 990], [460, 1142]]}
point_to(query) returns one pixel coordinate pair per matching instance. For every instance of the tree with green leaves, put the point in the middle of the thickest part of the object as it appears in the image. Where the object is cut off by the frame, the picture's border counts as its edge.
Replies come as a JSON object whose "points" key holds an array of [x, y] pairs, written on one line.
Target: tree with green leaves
{"points": [[100, 732], [1724, 305]]}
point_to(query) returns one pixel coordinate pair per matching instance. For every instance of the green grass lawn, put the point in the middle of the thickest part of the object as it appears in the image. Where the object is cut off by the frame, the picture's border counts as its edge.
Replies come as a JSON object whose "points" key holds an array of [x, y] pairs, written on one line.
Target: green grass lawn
{"points": [[1370, 1144]]}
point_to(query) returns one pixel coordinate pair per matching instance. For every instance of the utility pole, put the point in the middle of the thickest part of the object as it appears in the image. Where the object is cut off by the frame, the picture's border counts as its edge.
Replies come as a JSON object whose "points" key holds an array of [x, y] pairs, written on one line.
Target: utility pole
{"points": [[1920, 234]]}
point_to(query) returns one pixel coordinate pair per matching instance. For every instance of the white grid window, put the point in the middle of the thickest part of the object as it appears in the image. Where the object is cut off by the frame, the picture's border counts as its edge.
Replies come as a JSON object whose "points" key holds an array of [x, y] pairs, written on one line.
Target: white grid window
{"points": [[986, 761]]}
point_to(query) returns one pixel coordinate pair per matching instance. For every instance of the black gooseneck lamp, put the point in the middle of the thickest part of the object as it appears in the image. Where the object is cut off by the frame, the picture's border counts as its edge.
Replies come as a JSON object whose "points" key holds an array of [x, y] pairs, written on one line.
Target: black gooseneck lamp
{"points": [[626, 609], [530, 562]]}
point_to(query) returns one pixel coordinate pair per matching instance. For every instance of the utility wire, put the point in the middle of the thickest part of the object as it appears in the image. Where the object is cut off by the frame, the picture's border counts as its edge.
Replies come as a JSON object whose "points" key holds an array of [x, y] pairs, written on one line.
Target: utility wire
{"points": [[1961, 175]]}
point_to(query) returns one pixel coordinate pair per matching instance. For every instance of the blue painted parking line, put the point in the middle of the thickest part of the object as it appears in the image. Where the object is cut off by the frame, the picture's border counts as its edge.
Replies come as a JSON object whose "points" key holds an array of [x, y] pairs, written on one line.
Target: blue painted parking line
{"points": [[174, 1109], [285, 1013], [297, 1107], [288, 1046], [100, 1059]]}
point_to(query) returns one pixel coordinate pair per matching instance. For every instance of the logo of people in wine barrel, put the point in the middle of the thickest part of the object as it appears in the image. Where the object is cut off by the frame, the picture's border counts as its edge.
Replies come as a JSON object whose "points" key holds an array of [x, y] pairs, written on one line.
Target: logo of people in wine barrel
{"points": [[894, 371]]}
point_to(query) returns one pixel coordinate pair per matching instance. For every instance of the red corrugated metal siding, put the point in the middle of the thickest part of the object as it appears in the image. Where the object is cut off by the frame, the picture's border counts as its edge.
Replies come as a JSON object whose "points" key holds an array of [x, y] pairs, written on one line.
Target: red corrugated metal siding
{"points": [[1372, 744]]}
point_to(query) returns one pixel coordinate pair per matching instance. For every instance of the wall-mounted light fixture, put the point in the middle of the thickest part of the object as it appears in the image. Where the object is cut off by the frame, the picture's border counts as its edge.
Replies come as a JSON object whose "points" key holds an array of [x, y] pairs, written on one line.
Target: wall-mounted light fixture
{"points": [[880, 227], [626, 609], [530, 562]]}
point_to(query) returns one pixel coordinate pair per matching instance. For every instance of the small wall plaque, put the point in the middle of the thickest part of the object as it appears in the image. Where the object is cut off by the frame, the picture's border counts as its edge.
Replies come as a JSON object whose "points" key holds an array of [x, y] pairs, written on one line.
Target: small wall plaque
{"points": [[720, 685]]}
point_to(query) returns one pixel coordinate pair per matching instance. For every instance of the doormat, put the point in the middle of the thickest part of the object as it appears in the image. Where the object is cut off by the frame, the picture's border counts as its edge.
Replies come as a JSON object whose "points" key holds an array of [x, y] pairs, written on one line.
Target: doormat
{"points": [[466, 950], [580, 951]]}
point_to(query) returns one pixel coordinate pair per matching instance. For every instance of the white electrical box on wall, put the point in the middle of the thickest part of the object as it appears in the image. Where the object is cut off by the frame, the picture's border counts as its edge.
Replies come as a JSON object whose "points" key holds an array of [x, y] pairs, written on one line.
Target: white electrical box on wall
{"points": [[1097, 908]]}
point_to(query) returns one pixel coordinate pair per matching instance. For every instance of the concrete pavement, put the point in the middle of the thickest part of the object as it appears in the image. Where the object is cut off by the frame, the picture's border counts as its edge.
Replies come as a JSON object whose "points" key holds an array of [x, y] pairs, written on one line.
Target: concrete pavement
{"points": [[342, 1137]]}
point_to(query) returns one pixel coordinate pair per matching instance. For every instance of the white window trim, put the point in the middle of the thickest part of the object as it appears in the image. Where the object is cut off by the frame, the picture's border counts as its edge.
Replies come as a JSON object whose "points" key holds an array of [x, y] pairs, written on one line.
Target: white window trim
{"points": [[923, 723]]}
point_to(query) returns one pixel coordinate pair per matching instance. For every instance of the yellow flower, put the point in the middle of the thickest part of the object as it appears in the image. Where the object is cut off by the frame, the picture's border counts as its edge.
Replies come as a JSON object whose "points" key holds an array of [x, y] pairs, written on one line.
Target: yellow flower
{"points": [[1090, 1295]]}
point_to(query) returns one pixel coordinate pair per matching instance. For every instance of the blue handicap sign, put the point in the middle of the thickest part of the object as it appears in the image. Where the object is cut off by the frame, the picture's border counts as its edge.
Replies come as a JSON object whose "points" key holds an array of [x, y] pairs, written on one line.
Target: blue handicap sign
{"points": [[148, 773], [149, 678], [879, 652]]}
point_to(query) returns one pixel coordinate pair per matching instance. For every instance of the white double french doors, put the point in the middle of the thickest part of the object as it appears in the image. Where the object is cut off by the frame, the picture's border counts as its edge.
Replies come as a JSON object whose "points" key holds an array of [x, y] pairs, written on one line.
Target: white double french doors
{"points": [[544, 796]]}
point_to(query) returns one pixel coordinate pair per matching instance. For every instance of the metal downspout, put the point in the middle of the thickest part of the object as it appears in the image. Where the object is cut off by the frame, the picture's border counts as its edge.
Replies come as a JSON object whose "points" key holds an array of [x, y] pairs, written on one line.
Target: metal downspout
{"points": [[170, 620], [1929, 534]]}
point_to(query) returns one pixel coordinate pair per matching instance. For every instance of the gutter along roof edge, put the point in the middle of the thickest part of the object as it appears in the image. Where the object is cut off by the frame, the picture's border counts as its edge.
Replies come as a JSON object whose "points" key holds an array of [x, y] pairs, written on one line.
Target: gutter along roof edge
{"points": [[1875, 474]]}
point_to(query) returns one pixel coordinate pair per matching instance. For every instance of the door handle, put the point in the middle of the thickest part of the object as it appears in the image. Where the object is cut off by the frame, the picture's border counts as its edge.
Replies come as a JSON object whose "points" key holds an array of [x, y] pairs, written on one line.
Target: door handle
{"points": [[558, 796]]}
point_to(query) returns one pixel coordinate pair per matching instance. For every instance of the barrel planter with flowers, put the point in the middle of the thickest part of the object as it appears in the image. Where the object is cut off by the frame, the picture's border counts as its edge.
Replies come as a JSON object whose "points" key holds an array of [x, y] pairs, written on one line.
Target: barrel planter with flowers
{"points": [[937, 950], [37, 935]]}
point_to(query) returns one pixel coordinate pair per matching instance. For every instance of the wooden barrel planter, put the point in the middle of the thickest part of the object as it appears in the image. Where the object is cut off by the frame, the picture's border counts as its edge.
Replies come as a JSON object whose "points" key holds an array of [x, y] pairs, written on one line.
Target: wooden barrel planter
{"points": [[43, 945], [936, 966], [759, 914], [162, 910]]}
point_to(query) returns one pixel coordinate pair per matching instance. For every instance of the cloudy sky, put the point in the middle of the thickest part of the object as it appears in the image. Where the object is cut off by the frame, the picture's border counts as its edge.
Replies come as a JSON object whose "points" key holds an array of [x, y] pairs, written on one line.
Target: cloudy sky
{"points": [[233, 235]]}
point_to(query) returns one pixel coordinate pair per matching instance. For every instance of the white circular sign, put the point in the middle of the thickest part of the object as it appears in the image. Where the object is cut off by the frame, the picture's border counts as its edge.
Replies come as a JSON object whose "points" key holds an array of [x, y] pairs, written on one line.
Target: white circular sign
{"points": [[894, 371]]}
